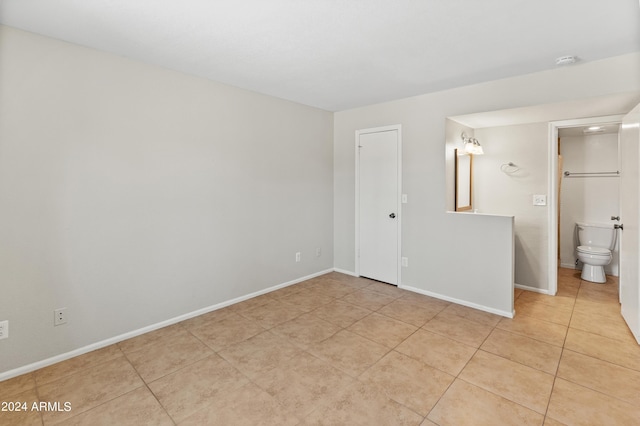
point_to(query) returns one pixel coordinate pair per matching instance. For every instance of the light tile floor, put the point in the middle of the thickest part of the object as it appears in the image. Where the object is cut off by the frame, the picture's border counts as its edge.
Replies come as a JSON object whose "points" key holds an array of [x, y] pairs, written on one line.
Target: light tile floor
{"points": [[340, 350]]}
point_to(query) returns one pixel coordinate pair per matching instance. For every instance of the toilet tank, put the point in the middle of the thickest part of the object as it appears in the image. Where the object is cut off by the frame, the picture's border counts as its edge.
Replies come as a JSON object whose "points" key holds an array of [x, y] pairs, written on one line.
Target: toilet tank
{"points": [[596, 235]]}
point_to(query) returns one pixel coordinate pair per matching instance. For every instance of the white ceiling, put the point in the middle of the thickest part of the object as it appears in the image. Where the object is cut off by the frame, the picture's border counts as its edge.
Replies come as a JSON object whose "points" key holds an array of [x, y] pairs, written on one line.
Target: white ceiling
{"points": [[340, 54]]}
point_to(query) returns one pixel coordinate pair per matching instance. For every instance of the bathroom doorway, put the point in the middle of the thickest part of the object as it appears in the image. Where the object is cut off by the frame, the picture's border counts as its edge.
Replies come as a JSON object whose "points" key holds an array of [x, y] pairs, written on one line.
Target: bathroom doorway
{"points": [[589, 185], [583, 185]]}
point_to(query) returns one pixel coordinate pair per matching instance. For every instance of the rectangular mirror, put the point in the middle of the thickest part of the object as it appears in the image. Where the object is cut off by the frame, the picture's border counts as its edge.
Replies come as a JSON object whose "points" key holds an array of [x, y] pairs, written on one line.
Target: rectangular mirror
{"points": [[463, 173]]}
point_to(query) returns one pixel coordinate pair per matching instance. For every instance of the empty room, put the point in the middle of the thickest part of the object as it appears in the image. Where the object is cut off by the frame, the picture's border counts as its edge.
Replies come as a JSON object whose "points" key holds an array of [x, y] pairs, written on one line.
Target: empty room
{"points": [[286, 212]]}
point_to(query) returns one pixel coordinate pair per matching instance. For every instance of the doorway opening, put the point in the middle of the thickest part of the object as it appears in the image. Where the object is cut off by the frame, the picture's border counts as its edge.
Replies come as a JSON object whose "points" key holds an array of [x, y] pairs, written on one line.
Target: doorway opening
{"points": [[559, 248]]}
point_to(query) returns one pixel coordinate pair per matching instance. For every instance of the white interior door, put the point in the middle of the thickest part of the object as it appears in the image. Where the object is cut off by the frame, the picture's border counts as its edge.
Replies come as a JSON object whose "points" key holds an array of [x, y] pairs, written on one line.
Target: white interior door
{"points": [[378, 204], [630, 218]]}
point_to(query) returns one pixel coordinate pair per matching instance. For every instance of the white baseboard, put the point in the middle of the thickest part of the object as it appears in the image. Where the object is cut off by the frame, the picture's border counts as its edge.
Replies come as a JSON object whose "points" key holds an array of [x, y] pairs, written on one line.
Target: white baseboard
{"points": [[344, 271], [107, 342], [533, 289], [459, 301]]}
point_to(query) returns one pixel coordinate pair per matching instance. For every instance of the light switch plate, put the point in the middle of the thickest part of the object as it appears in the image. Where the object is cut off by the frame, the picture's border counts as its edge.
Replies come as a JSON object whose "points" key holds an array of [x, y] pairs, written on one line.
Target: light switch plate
{"points": [[4, 329], [539, 200]]}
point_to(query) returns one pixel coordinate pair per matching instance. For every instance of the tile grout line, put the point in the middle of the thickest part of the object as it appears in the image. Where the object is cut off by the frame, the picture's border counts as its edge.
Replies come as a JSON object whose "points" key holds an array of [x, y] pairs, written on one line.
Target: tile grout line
{"points": [[587, 355], [564, 342], [82, 371], [37, 390], [479, 348], [355, 379], [148, 388], [457, 376], [392, 349]]}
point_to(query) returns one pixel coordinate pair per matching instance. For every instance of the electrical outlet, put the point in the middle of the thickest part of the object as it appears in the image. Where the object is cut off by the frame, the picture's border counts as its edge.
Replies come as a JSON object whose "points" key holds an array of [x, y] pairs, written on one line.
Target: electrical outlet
{"points": [[298, 257], [405, 262], [60, 316], [4, 329], [318, 252]]}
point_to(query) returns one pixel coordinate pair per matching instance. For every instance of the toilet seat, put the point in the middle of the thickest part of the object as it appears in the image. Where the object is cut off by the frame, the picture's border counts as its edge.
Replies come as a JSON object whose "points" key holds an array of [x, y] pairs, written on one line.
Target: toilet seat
{"points": [[594, 250]]}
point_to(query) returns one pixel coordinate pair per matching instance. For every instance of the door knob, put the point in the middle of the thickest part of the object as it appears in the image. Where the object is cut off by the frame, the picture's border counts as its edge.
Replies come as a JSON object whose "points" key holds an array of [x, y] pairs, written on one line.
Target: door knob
{"points": [[392, 215], [616, 226], [615, 217]]}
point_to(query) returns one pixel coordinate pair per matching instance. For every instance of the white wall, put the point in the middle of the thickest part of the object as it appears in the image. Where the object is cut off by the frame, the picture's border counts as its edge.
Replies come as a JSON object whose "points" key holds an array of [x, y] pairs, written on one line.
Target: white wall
{"points": [[436, 242], [511, 193], [131, 194], [588, 199]]}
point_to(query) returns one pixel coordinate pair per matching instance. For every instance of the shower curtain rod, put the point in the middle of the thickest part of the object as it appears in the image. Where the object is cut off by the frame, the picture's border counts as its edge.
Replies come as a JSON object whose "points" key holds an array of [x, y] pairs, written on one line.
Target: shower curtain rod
{"points": [[588, 174]]}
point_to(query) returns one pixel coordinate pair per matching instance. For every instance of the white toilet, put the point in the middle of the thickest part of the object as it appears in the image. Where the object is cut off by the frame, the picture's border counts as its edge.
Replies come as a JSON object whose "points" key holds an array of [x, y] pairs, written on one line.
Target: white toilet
{"points": [[594, 243]]}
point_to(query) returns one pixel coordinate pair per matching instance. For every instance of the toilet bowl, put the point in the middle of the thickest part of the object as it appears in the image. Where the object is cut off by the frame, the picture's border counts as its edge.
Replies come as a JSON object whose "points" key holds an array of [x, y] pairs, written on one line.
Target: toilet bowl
{"points": [[594, 245]]}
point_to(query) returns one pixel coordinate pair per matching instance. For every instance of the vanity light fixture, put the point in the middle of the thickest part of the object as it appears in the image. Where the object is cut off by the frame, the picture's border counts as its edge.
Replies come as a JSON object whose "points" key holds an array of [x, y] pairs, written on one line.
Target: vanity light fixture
{"points": [[471, 145]]}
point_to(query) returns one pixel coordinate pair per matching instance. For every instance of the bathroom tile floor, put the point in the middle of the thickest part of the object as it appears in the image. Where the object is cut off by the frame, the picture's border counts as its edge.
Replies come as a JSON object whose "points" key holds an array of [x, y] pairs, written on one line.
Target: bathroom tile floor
{"points": [[340, 350]]}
